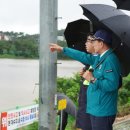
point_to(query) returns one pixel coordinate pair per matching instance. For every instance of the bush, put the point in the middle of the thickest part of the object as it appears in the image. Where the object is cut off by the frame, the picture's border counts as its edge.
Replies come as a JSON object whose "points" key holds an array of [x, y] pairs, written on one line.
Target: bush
{"points": [[69, 86]]}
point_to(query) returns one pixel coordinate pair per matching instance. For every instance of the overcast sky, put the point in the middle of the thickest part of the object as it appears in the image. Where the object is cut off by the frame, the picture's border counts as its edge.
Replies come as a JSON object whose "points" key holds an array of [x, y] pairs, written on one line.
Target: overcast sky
{"points": [[23, 15]]}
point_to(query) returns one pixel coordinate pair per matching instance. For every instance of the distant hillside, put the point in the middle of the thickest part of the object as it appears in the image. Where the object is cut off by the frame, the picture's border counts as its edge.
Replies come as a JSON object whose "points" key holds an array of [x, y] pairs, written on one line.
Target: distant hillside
{"points": [[22, 45]]}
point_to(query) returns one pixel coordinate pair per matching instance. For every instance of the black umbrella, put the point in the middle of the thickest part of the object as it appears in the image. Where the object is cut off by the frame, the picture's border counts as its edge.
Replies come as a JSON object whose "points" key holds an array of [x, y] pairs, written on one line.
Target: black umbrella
{"points": [[123, 4], [108, 17], [76, 34]]}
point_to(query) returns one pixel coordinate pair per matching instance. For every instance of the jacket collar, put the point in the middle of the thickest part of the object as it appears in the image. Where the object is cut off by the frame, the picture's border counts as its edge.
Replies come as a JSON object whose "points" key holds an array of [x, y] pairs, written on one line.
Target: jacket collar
{"points": [[105, 54]]}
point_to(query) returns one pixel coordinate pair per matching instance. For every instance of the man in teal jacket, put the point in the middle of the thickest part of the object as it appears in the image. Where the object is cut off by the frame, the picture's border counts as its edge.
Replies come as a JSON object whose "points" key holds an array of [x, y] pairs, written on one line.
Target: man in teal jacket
{"points": [[104, 80]]}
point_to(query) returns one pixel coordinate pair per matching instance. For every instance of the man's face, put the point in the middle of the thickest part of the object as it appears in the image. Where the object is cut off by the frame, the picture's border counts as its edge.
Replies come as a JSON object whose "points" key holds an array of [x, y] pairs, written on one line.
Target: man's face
{"points": [[89, 45], [97, 46]]}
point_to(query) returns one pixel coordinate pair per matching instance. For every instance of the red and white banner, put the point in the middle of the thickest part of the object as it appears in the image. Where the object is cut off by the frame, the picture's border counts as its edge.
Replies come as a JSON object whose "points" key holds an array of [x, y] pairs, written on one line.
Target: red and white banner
{"points": [[4, 121], [20, 117]]}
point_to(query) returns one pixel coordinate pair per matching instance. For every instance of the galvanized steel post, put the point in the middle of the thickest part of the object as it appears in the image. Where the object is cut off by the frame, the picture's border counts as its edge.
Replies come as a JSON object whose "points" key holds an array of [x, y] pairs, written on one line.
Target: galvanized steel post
{"points": [[48, 66]]}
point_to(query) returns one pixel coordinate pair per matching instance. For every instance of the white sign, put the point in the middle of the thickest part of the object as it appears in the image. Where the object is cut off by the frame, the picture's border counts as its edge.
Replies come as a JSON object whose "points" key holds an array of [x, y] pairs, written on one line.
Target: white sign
{"points": [[20, 117]]}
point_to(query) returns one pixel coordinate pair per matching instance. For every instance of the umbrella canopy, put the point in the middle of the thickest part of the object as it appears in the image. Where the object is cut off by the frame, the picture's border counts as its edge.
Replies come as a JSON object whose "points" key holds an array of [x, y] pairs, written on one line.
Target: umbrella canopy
{"points": [[123, 4], [76, 34], [109, 18]]}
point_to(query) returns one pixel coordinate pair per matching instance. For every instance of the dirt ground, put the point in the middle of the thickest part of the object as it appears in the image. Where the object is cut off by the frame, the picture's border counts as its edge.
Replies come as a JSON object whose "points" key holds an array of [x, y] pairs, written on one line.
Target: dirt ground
{"points": [[118, 119]]}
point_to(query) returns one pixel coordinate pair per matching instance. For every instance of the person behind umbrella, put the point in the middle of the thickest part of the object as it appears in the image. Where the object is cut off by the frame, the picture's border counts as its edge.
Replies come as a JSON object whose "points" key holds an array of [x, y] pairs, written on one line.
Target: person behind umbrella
{"points": [[104, 80], [69, 110], [83, 119]]}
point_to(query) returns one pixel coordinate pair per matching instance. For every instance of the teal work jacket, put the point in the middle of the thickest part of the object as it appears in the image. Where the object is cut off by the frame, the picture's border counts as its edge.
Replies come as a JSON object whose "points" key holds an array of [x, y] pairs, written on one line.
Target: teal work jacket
{"points": [[102, 94]]}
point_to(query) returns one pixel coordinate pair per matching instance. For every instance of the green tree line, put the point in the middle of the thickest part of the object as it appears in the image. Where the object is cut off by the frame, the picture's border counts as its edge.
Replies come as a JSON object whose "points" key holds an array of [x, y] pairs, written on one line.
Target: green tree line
{"points": [[19, 45], [22, 45]]}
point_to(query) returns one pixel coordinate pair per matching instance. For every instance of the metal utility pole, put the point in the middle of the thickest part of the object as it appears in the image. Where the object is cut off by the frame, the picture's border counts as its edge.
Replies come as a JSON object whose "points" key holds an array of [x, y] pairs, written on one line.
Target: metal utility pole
{"points": [[48, 66]]}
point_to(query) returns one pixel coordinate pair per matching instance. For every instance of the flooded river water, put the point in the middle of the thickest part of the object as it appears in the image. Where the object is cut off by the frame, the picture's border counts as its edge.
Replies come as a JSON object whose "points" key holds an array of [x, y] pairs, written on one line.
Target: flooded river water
{"points": [[18, 79]]}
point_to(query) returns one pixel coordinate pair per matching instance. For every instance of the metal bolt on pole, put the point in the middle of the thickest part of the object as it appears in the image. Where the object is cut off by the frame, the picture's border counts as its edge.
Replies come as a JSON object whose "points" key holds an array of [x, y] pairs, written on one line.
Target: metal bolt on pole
{"points": [[47, 65]]}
